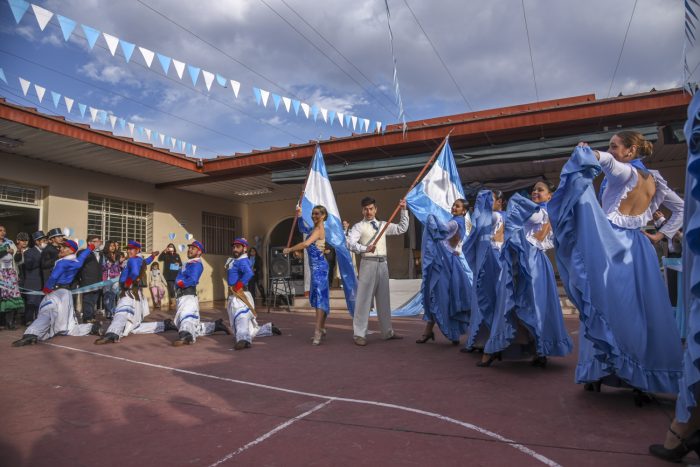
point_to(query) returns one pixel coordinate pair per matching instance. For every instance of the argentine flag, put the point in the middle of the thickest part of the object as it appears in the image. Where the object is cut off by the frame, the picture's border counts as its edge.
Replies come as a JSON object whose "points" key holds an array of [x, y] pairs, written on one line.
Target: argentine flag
{"points": [[318, 191]]}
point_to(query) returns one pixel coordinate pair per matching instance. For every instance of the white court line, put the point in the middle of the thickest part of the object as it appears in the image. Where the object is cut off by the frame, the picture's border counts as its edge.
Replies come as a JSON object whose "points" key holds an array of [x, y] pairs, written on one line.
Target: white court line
{"points": [[270, 433], [478, 429]]}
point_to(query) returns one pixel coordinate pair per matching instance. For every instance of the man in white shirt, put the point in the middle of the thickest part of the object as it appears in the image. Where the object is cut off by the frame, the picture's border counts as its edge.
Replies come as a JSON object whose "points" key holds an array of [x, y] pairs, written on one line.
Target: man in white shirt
{"points": [[374, 270]]}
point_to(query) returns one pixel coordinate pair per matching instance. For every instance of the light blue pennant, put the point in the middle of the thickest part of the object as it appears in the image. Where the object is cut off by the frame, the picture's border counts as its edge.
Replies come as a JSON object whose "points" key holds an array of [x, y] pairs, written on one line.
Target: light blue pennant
{"points": [[122, 123], [67, 26], [314, 112], [194, 73], [221, 80], [19, 8], [56, 97], [348, 120], [102, 115], [91, 35], [276, 99], [2, 76], [296, 104], [258, 97], [164, 62], [127, 48], [82, 108], [331, 116]]}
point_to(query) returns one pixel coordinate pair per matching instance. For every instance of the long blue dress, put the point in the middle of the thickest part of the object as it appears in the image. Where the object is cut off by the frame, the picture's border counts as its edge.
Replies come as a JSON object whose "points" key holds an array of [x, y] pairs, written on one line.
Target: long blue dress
{"points": [[485, 263], [690, 383], [318, 293], [446, 288], [530, 299], [628, 336]]}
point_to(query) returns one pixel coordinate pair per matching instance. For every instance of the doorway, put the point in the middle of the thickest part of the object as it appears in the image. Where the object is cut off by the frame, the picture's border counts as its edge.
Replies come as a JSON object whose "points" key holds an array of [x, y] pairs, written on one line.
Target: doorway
{"points": [[278, 239]]}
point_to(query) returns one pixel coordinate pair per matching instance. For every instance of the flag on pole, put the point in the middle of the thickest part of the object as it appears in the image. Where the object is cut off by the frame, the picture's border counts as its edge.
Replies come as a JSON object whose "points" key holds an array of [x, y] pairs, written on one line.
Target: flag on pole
{"points": [[318, 191]]}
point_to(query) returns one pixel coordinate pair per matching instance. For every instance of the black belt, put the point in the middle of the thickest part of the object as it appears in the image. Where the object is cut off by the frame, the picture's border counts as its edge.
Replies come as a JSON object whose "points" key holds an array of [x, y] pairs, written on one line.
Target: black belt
{"points": [[186, 291]]}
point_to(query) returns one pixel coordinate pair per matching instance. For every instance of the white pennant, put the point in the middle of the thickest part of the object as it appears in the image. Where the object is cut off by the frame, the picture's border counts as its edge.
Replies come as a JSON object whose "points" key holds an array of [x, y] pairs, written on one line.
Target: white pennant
{"points": [[194, 149], [93, 113], [287, 103], [147, 56], [341, 119], [43, 16], [172, 142], [265, 95], [161, 136], [235, 86], [148, 133], [324, 114], [179, 67], [366, 124], [112, 42], [353, 119], [39, 91], [208, 79], [305, 107], [112, 121], [69, 103], [131, 128], [25, 85], [379, 127]]}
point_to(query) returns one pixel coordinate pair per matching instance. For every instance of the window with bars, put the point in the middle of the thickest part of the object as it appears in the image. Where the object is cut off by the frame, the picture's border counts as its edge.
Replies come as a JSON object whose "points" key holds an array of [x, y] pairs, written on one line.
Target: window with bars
{"points": [[120, 220], [19, 194], [219, 231]]}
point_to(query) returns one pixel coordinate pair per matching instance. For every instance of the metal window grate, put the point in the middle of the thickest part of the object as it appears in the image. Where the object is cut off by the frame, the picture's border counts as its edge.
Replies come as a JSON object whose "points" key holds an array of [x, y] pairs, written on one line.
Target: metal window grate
{"points": [[19, 195], [219, 231], [121, 220]]}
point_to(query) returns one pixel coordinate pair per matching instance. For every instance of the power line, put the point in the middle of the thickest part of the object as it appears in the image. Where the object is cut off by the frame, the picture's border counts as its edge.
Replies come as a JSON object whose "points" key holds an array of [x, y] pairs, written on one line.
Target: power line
{"points": [[624, 40], [444, 65], [529, 45]]}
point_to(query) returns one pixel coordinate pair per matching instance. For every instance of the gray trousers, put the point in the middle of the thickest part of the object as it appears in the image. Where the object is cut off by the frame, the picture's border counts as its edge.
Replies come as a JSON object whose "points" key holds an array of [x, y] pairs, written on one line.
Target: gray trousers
{"points": [[373, 283]]}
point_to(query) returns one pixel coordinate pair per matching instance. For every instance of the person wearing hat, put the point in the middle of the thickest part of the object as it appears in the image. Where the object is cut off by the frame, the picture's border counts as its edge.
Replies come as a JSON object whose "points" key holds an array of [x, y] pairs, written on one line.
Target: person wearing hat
{"points": [[10, 297], [56, 312], [187, 317], [132, 306], [240, 306], [32, 276], [49, 255], [22, 243]]}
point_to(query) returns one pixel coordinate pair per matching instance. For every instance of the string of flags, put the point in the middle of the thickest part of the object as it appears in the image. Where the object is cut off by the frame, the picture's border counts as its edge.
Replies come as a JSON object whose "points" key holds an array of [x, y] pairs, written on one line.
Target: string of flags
{"points": [[262, 97], [103, 117], [690, 19]]}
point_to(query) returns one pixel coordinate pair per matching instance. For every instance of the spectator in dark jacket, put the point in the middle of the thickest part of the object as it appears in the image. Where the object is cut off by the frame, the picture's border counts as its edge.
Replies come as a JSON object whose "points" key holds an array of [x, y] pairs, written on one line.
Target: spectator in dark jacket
{"points": [[256, 283], [171, 268], [91, 273], [32, 276], [49, 255]]}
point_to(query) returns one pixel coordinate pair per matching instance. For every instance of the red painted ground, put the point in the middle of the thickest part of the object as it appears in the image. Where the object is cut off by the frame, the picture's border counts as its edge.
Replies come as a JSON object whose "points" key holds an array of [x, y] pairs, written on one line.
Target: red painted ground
{"points": [[61, 407]]}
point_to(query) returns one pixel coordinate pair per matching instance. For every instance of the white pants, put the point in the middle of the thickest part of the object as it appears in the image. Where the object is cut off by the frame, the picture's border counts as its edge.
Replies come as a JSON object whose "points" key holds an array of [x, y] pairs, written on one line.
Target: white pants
{"points": [[187, 316], [128, 314], [57, 317], [155, 327], [245, 326], [373, 282]]}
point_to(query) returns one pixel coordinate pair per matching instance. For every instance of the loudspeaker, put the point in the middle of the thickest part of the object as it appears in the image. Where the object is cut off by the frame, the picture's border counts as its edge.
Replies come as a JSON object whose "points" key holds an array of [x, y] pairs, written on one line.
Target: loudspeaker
{"points": [[279, 263]]}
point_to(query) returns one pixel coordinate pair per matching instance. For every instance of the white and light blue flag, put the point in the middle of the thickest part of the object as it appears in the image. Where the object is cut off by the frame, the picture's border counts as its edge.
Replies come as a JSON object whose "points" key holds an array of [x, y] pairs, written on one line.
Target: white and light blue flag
{"points": [[318, 191]]}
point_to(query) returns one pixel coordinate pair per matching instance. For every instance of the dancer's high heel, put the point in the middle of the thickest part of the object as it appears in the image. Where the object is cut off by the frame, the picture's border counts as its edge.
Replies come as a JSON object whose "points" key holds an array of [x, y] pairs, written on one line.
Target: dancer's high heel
{"points": [[492, 357], [540, 362], [594, 386], [318, 335], [425, 338], [692, 443]]}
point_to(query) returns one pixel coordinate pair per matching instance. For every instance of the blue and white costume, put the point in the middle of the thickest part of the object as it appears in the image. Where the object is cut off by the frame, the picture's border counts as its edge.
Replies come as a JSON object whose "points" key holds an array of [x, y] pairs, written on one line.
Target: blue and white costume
{"points": [[187, 318], [56, 312], [628, 335], [482, 250], [446, 287], [528, 297], [132, 306], [319, 295], [245, 325]]}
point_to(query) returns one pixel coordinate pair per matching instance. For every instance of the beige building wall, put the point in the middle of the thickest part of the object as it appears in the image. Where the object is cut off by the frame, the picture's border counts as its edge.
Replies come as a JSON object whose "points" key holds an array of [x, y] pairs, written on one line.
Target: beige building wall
{"points": [[65, 198]]}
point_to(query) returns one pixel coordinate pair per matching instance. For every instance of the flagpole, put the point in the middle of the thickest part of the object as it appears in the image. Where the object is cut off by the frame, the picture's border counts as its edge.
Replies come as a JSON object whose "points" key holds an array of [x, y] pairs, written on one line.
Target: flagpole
{"points": [[415, 182], [301, 197]]}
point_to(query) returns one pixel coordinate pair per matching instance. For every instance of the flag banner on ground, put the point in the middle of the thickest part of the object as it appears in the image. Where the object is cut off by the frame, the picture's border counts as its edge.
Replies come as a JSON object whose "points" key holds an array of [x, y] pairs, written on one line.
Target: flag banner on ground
{"points": [[318, 191]]}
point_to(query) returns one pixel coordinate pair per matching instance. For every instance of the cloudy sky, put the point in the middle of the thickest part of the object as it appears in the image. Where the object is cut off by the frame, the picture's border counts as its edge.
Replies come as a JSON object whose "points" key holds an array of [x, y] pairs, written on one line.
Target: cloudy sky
{"points": [[336, 55]]}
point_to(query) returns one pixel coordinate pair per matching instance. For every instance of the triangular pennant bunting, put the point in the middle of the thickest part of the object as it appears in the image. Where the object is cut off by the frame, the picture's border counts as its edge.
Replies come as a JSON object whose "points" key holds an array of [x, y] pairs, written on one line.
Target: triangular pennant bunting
{"points": [[324, 114], [155, 136], [139, 130], [93, 114], [208, 79], [67, 26], [264, 95], [2, 76], [173, 141], [164, 62], [19, 8], [221, 80], [40, 90], [340, 119], [69, 103], [102, 116], [305, 107], [256, 92], [365, 123], [235, 86], [314, 112], [127, 49], [378, 127], [24, 84], [276, 100], [354, 122], [287, 103], [122, 123], [194, 73], [82, 108], [182, 146], [296, 104], [113, 121], [161, 137], [56, 98], [179, 67], [112, 42], [331, 116], [91, 35], [147, 56], [131, 128], [43, 16], [148, 133], [194, 149]]}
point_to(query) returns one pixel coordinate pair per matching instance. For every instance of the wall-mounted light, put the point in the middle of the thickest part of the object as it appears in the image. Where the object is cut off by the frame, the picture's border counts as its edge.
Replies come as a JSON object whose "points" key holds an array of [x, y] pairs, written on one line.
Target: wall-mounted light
{"points": [[9, 143], [259, 191]]}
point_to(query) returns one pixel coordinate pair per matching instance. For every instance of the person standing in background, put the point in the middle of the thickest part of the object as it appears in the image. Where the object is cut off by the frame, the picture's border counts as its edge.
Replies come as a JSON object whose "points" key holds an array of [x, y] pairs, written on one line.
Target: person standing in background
{"points": [[255, 283], [91, 273], [172, 263], [10, 298], [32, 276], [49, 255]]}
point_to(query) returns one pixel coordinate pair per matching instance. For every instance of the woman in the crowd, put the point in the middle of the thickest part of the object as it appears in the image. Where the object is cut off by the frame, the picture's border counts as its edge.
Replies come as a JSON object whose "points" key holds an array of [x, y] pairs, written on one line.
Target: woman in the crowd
{"points": [[156, 284], [628, 335], [314, 245], [255, 284], [111, 269], [172, 263], [446, 286], [529, 316], [10, 298]]}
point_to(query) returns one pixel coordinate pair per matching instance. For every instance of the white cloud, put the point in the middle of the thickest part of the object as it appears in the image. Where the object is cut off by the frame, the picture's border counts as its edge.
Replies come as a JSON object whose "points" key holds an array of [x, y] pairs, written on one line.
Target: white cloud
{"points": [[110, 73]]}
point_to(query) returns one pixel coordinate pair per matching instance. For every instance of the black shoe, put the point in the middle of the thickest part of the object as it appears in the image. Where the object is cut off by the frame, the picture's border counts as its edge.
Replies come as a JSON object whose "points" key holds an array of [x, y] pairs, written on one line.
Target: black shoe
{"points": [[185, 339], [240, 345], [425, 338], [168, 325], [594, 386], [275, 330], [109, 338], [492, 357], [692, 443], [539, 362], [27, 339], [467, 350], [219, 325], [96, 330], [641, 398]]}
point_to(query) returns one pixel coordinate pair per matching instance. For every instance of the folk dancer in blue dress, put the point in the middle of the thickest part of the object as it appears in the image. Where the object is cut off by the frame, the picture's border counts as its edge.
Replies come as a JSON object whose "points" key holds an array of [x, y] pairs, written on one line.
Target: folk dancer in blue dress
{"points": [[56, 312], [628, 335], [240, 305], [483, 250], [315, 244], [446, 286], [187, 319], [528, 316]]}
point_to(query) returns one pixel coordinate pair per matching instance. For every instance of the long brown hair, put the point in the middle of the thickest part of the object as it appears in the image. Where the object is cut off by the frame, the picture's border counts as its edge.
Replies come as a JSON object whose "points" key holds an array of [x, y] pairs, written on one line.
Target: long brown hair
{"points": [[635, 138]]}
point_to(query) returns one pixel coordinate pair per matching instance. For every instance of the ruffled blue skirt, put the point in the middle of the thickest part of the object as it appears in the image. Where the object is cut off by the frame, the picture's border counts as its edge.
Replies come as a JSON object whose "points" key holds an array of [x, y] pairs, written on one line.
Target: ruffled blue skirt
{"points": [[318, 295], [485, 292]]}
